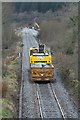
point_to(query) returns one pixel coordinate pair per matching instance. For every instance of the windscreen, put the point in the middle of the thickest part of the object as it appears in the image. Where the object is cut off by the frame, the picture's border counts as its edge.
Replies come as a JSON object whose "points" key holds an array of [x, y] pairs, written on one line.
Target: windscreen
{"points": [[35, 50], [41, 54]]}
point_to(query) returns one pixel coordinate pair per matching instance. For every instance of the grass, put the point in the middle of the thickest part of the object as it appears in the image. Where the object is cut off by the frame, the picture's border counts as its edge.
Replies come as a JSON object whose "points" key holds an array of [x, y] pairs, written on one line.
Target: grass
{"points": [[7, 109], [10, 88]]}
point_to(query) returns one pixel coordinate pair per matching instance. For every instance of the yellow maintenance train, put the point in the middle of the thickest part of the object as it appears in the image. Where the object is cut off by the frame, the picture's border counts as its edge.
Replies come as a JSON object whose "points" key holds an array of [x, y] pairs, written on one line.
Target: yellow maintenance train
{"points": [[41, 64]]}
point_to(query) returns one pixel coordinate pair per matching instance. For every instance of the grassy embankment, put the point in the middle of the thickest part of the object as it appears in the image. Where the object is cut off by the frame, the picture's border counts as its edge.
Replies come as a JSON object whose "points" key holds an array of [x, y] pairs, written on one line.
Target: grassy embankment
{"points": [[11, 64], [11, 77]]}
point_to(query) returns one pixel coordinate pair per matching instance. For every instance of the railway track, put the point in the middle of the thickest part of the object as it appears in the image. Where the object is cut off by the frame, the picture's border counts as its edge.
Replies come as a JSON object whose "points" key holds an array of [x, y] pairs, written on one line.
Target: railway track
{"points": [[48, 105], [48, 102], [55, 96], [40, 100]]}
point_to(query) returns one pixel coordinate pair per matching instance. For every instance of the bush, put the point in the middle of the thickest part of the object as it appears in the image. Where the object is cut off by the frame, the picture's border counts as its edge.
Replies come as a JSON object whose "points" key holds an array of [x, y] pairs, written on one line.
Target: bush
{"points": [[69, 51]]}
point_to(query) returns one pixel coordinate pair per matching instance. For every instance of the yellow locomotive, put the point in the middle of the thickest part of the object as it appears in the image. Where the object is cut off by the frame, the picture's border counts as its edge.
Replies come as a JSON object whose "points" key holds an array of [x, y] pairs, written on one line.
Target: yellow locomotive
{"points": [[41, 64], [39, 55]]}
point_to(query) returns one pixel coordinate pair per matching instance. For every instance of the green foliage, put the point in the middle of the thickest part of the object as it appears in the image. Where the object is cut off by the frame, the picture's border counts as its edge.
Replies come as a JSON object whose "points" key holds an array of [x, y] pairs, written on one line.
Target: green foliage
{"points": [[1, 108], [16, 61], [0, 113], [69, 51], [74, 20], [6, 112], [11, 92]]}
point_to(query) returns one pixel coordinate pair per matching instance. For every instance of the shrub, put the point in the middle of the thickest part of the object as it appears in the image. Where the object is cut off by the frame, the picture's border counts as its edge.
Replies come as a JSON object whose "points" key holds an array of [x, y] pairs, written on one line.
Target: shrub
{"points": [[70, 50]]}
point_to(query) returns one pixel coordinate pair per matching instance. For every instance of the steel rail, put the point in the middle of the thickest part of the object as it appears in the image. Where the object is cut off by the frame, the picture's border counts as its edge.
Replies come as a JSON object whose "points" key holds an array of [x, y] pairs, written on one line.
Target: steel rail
{"points": [[54, 95], [41, 113]]}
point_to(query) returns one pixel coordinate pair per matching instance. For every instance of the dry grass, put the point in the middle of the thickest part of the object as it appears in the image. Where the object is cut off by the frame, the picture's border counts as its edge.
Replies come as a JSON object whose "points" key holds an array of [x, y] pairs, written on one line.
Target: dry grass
{"points": [[10, 90], [4, 88], [11, 85]]}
